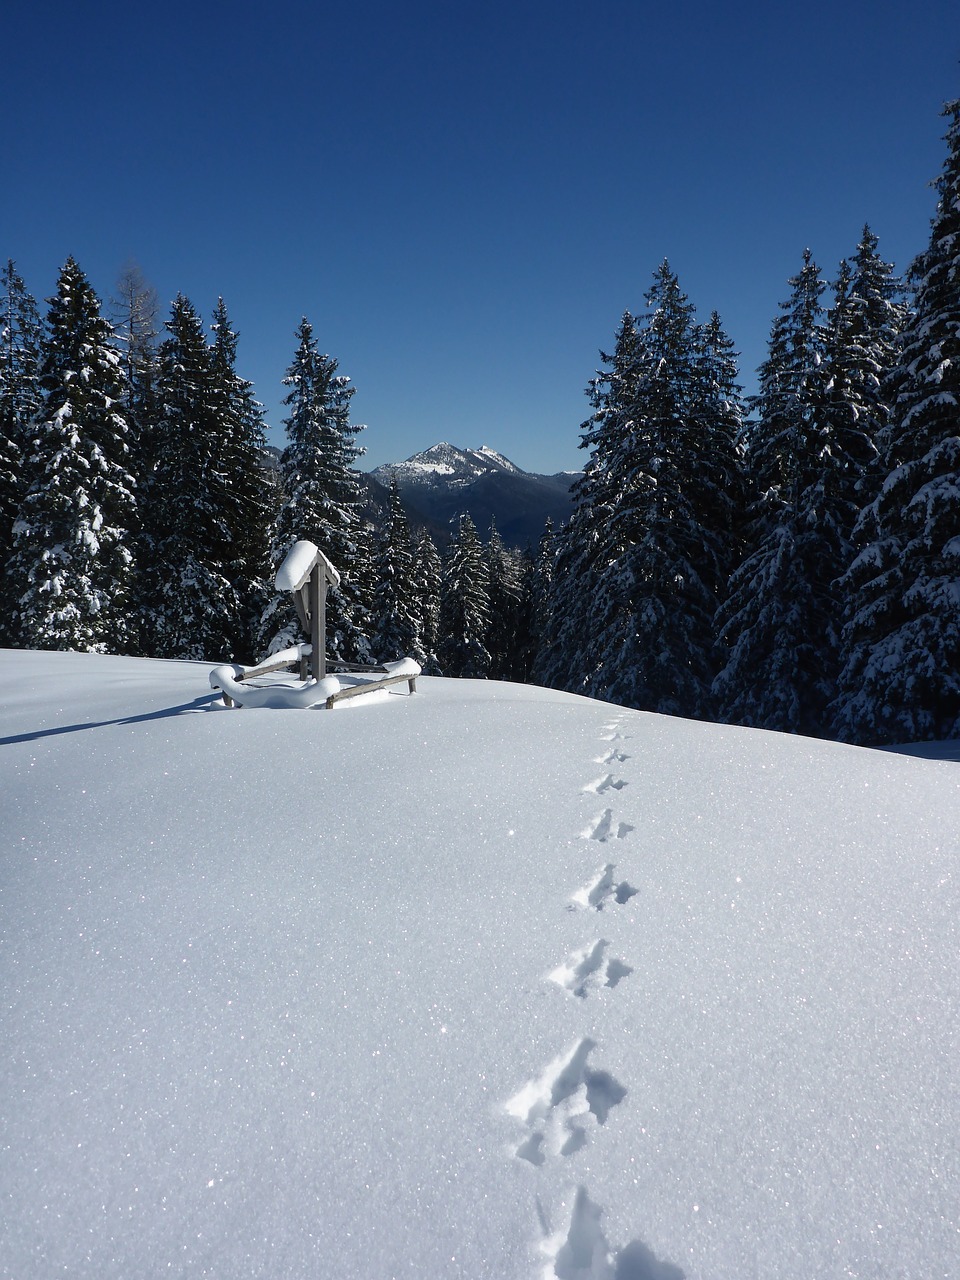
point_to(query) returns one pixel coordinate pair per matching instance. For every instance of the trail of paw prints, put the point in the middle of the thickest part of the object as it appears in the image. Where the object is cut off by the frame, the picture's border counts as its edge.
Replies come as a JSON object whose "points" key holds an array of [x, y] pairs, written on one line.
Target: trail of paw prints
{"points": [[588, 969], [556, 1108]]}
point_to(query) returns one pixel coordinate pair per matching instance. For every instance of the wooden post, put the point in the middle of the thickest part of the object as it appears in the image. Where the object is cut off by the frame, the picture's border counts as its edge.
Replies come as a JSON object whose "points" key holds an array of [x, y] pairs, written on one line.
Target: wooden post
{"points": [[318, 622]]}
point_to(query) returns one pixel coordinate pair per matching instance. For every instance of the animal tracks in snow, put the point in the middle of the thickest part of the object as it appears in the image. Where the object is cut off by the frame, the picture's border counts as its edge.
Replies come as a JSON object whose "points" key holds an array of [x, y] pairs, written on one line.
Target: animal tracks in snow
{"points": [[607, 783], [604, 827], [596, 893], [582, 1251], [552, 1106], [589, 968]]}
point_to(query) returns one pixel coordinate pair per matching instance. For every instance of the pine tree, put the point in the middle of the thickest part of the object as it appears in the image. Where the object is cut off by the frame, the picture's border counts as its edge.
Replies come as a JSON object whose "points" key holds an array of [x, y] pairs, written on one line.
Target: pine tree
{"points": [[537, 587], [901, 680], [323, 500], [396, 624], [190, 604], [71, 565], [464, 606], [20, 403], [781, 619], [249, 507], [427, 574], [645, 557], [569, 656], [505, 571]]}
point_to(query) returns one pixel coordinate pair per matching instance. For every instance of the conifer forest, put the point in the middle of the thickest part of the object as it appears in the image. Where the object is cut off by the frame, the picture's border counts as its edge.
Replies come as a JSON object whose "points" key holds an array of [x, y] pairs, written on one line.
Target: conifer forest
{"points": [[788, 560]]}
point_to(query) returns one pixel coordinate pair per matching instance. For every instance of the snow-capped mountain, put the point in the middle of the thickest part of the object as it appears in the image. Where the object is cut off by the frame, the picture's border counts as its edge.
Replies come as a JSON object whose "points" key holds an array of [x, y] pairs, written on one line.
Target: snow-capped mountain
{"points": [[443, 481], [447, 466]]}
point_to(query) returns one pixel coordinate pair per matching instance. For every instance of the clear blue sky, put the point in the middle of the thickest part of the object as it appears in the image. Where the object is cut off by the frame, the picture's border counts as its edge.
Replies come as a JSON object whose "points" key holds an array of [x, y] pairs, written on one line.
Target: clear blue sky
{"points": [[463, 199]]}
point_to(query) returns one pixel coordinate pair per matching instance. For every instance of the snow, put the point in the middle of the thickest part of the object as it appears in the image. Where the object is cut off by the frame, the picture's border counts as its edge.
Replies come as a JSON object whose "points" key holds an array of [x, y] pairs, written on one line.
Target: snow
{"points": [[491, 981], [298, 565]]}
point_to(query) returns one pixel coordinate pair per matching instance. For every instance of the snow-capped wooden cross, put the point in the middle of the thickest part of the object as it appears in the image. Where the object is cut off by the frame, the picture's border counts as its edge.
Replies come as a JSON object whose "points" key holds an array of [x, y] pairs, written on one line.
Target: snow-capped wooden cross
{"points": [[307, 573]]}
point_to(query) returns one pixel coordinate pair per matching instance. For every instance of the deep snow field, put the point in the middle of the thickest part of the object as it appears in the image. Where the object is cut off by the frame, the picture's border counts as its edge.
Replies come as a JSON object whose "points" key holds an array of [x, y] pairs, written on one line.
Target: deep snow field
{"points": [[484, 982]]}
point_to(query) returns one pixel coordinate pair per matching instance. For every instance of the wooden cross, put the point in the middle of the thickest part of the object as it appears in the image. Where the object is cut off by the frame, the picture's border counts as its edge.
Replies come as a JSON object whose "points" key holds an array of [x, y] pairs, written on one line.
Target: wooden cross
{"points": [[307, 573]]}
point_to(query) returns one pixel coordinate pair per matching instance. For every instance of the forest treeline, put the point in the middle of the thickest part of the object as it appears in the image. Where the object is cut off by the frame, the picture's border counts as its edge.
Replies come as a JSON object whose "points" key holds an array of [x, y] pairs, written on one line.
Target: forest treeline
{"points": [[790, 561]]}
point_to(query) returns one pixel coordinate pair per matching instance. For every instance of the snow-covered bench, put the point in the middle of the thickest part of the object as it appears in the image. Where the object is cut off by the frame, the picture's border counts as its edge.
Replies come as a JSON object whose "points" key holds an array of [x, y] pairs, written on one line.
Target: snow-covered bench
{"points": [[236, 685]]}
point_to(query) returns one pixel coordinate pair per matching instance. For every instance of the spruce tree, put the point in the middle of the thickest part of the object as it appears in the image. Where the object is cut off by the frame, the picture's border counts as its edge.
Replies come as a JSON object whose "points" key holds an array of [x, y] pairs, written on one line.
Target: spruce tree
{"points": [[645, 557], [781, 620], [464, 606], [323, 500], [71, 565], [20, 402], [569, 656], [190, 604], [427, 576], [396, 624], [505, 571], [249, 498], [901, 680]]}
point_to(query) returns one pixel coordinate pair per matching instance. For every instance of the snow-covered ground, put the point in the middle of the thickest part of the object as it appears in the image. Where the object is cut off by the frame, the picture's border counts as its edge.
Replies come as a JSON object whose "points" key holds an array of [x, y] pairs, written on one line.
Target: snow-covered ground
{"points": [[487, 981]]}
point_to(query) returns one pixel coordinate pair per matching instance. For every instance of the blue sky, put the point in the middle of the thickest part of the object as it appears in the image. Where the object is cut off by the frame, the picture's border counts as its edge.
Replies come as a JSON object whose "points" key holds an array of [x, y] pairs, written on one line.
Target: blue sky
{"points": [[463, 199]]}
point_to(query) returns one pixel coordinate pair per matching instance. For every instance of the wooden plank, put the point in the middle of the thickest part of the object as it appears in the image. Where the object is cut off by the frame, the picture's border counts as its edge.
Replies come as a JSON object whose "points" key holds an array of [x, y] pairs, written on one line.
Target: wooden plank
{"points": [[368, 686]]}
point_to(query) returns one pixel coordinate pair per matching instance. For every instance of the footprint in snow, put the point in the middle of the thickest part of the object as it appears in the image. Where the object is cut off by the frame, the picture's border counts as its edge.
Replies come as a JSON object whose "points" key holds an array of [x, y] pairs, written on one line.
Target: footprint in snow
{"points": [[582, 1252], [552, 1106], [595, 894], [588, 969], [604, 828], [611, 757], [600, 785]]}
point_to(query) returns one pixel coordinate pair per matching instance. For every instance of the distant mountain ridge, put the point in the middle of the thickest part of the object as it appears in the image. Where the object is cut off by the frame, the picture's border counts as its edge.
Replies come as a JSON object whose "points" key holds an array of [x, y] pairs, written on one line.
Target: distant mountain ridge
{"points": [[444, 481]]}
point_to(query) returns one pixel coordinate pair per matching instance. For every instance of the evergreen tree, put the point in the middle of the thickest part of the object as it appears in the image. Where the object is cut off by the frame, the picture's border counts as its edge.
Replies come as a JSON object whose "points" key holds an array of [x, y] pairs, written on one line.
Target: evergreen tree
{"points": [[901, 680], [20, 402], [396, 624], [537, 586], [191, 608], [644, 559], [71, 564], [505, 572], [323, 500], [464, 606], [569, 654], [781, 619], [249, 501], [427, 575]]}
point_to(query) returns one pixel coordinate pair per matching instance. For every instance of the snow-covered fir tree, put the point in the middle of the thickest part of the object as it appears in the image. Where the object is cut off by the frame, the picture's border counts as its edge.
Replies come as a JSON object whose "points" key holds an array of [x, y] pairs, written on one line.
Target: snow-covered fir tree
{"points": [[781, 619], [464, 606], [71, 565], [570, 654], [396, 624], [644, 559], [505, 575], [191, 608], [20, 402], [323, 501], [901, 679], [427, 573], [250, 500], [537, 585]]}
